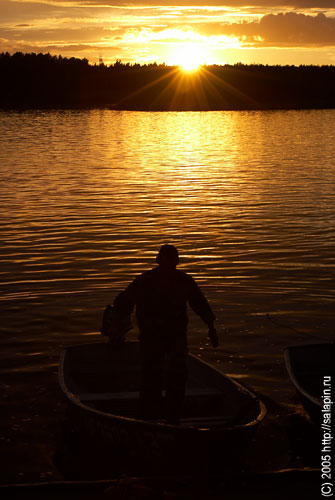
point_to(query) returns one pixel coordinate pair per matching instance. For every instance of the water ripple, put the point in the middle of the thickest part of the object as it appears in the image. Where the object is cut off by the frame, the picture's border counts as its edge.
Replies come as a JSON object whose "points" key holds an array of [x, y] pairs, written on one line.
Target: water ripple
{"points": [[87, 198]]}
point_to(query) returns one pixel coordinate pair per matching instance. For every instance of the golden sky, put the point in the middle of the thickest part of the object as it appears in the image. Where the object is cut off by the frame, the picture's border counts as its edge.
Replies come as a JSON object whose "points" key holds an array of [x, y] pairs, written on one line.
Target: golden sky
{"points": [[172, 31]]}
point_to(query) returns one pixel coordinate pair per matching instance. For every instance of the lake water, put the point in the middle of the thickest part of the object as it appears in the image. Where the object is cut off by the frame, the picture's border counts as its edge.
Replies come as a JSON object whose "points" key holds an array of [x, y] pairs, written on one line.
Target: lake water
{"points": [[88, 197]]}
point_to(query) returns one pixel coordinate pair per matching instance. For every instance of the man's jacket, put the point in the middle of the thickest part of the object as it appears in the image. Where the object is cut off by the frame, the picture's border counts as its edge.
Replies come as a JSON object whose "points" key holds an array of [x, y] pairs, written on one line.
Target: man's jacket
{"points": [[161, 299]]}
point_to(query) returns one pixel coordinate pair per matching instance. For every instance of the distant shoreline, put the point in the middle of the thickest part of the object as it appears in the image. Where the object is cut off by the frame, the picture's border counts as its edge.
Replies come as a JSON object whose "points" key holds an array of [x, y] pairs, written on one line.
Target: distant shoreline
{"points": [[109, 107], [45, 82], [24, 109]]}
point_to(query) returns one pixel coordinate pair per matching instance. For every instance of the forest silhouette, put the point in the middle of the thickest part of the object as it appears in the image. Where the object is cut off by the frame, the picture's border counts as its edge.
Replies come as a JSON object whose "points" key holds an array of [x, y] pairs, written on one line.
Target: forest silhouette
{"points": [[43, 81]]}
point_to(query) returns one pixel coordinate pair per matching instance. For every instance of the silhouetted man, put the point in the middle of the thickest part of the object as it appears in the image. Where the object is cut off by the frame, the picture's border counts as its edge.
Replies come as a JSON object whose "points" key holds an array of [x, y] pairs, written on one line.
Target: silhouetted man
{"points": [[161, 296]]}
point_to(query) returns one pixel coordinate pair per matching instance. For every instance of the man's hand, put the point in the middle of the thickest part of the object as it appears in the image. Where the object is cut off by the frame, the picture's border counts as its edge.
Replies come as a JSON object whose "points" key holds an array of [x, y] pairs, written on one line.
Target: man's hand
{"points": [[213, 336]]}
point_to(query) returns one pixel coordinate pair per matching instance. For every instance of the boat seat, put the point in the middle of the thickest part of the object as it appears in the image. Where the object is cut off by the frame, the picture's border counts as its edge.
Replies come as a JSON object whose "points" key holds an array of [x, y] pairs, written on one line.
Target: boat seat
{"points": [[101, 396], [104, 396], [206, 421]]}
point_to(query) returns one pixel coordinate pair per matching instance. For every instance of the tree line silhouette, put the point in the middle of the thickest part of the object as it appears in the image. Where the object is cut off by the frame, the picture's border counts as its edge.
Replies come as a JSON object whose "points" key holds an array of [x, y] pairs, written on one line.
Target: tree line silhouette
{"points": [[39, 81]]}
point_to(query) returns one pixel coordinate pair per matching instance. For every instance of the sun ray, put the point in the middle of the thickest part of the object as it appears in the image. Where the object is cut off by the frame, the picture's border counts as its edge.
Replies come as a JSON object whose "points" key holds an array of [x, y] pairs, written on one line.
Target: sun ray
{"points": [[178, 89], [170, 85], [211, 78], [147, 86], [189, 87]]}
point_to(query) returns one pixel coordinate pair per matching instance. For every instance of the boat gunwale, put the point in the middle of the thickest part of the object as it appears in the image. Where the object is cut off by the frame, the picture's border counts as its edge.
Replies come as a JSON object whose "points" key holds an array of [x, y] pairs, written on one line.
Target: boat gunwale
{"points": [[72, 398], [287, 356]]}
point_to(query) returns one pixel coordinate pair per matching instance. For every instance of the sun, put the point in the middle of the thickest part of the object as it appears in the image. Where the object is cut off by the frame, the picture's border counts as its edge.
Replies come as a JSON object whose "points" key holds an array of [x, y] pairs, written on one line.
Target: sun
{"points": [[188, 57], [188, 60]]}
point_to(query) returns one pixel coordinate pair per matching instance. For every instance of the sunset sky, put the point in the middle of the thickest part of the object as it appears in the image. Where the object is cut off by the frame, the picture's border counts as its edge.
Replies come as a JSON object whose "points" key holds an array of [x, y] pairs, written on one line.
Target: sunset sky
{"points": [[172, 31]]}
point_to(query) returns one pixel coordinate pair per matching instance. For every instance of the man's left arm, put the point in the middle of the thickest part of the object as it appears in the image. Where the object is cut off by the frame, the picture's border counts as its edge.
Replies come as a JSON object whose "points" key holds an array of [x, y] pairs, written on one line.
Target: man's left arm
{"points": [[200, 306]]}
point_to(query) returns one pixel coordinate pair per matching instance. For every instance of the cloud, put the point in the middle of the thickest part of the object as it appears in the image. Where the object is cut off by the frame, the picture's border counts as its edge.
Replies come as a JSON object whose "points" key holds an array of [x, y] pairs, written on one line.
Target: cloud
{"points": [[280, 30], [149, 28], [295, 4], [285, 29]]}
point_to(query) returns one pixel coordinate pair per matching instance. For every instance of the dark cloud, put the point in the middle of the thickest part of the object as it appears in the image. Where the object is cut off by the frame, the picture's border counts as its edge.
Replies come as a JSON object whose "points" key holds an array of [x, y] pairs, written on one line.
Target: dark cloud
{"points": [[62, 35], [79, 47], [56, 49], [11, 10], [284, 29], [295, 4], [289, 29]]}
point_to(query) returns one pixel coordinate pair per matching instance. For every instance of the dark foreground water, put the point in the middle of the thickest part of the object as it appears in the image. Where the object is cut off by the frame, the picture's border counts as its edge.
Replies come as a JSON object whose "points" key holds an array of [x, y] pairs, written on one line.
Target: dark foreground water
{"points": [[88, 197]]}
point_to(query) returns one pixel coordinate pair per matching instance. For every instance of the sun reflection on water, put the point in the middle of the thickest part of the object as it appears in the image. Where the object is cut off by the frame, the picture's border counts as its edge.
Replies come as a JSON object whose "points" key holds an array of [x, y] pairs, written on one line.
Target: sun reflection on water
{"points": [[95, 193]]}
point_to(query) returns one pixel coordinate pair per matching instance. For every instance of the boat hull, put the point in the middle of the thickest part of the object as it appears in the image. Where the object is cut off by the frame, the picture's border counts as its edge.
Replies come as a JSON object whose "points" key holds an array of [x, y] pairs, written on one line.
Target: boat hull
{"points": [[206, 441]]}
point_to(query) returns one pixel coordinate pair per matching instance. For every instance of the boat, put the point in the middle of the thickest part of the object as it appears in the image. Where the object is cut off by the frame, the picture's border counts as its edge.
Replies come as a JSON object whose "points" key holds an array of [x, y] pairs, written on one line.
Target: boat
{"points": [[101, 383], [307, 366]]}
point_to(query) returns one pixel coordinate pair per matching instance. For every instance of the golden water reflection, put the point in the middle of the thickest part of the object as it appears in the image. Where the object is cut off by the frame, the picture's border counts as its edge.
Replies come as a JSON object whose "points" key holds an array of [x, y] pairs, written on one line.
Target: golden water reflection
{"points": [[87, 198]]}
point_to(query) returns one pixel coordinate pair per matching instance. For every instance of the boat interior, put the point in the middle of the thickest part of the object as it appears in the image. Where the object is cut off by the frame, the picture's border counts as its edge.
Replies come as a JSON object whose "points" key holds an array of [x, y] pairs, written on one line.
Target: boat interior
{"points": [[108, 379]]}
